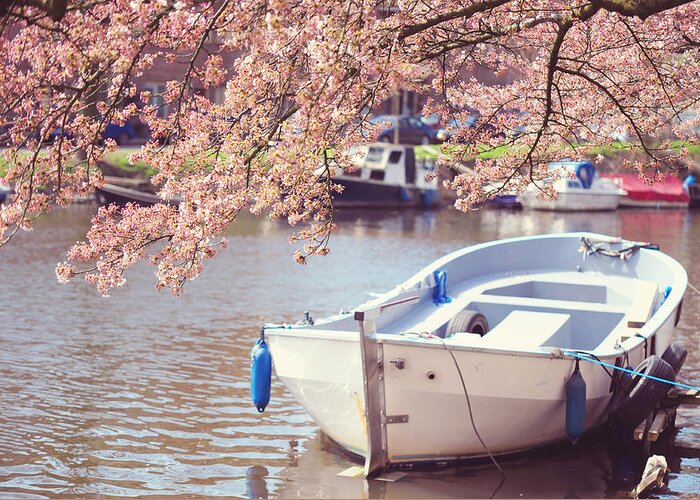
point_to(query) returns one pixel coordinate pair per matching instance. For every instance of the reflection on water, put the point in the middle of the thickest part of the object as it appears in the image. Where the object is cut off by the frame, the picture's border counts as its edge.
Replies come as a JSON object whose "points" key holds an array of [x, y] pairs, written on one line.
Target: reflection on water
{"points": [[145, 394]]}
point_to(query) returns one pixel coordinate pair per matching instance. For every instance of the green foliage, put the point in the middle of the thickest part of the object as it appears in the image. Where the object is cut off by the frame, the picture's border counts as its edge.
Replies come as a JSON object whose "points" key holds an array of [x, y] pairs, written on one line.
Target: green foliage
{"points": [[120, 159]]}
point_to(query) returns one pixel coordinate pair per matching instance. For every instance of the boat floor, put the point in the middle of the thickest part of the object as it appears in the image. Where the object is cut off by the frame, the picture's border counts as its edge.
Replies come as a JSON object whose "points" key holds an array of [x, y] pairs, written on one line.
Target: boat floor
{"points": [[570, 310]]}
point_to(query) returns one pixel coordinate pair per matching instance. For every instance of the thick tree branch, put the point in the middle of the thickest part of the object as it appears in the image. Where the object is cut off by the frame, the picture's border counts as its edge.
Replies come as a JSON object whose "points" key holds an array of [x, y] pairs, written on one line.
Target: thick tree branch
{"points": [[464, 13], [639, 8]]}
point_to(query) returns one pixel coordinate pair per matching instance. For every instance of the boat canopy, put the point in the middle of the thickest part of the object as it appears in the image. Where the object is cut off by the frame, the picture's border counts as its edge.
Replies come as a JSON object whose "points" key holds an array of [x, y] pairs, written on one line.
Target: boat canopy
{"points": [[668, 189], [584, 170]]}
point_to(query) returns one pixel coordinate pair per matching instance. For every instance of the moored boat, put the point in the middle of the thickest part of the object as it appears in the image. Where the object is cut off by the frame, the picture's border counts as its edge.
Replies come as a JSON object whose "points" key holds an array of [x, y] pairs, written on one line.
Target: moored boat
{"points": [[666, 193], [587, 191], [493, 349], [5, 193], [387, 176], [122, 191], [503, 198]]}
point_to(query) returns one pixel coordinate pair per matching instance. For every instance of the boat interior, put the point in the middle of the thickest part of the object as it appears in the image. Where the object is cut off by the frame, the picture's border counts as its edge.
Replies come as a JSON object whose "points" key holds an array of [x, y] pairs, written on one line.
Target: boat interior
{"points": [[568, 309]]}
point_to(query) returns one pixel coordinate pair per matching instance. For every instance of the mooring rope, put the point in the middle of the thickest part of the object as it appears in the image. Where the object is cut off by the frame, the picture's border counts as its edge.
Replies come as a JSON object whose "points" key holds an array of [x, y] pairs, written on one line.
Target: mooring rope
{"points": [[690, 285], [588, 357], [469, 405], [590, 246]]}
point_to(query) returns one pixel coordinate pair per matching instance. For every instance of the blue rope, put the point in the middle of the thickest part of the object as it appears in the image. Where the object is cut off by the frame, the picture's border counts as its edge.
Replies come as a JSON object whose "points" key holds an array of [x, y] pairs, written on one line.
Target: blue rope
{"points": [[632, 372]]}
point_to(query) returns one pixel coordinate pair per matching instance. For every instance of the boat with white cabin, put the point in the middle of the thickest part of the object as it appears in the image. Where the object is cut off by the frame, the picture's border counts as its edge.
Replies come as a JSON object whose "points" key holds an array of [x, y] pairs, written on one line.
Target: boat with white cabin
{"points": [[578, 188], [484, 352], [387, 176]]}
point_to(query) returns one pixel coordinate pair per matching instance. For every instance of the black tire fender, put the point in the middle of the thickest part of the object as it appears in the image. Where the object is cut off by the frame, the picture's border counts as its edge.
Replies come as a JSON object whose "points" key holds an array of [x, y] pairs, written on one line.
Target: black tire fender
{"points": [[675, 356], [643, 394], [469, 321]]}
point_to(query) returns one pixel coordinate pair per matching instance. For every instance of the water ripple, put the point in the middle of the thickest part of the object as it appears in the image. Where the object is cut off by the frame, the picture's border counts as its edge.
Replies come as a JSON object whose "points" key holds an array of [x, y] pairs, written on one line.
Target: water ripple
{"points": [[144, 394]]}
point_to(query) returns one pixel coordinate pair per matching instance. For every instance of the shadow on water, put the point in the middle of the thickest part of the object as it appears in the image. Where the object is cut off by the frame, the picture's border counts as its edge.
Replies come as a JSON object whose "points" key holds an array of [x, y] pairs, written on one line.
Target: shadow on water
{"points": [[606, 464], [146, 394]]}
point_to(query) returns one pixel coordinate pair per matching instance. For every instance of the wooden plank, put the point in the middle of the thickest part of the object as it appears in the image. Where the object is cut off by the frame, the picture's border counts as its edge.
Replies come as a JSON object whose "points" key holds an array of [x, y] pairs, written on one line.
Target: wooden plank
{"points": [[658, 425], [525, 329], [682, 392], [353, 472], [681, 396], [645, 297], [638, 434]]}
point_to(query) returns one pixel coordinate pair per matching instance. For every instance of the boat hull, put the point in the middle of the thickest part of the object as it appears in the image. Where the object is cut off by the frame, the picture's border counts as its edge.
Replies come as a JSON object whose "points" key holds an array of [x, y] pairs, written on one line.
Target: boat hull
{"points": [[517, 401], [118, 195], [572, 201], [504, 201], [367, 194], [627, 202]]}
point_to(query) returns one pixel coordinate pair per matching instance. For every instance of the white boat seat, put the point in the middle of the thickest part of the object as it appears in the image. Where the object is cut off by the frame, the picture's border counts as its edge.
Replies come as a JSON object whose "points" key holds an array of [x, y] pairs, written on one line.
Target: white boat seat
{"points": [[525, 330], [645, 298], [464, 339]]}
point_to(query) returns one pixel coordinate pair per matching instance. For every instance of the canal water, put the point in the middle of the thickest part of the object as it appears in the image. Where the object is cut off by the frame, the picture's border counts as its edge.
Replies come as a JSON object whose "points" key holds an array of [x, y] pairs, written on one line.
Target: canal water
{"points": [[146, 394]]}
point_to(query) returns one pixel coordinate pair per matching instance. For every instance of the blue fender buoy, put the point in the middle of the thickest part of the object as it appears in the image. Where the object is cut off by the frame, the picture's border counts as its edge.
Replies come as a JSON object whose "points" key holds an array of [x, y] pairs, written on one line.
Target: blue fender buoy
{"points": [[260, 374], [575, 405]]}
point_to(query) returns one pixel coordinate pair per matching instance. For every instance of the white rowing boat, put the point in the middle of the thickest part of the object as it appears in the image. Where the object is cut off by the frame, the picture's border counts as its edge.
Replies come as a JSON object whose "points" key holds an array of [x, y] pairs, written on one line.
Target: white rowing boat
{"points": [[480, 352]]}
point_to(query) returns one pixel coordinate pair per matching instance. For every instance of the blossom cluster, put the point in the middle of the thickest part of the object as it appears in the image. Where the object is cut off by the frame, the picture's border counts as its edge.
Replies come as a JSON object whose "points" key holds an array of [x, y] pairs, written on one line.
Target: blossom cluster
{"points": [[572, 76]]}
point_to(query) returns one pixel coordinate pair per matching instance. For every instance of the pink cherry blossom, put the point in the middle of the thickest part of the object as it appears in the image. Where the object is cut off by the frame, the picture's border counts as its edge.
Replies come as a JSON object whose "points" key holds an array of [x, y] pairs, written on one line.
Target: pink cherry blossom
{"points": [[549, 79]]}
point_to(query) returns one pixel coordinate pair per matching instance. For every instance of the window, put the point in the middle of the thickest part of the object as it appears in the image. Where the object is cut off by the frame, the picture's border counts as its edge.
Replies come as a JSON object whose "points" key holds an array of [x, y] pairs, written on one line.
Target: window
{"points": [[374, 155], [394, 156], [377, 175], [156, 98], [216, 94]]}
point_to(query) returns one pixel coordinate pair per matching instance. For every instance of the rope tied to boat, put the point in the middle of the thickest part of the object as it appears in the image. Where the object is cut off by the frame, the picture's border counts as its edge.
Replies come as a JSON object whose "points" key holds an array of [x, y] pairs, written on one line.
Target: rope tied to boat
{"points": [[431, 336], [596, 360], [440, 292], [646, 343], [602, 247]]}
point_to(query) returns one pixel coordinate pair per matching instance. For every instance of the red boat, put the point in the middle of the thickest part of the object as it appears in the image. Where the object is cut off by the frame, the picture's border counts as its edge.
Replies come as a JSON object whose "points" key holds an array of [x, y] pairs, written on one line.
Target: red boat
{"points": [[668, 193]]}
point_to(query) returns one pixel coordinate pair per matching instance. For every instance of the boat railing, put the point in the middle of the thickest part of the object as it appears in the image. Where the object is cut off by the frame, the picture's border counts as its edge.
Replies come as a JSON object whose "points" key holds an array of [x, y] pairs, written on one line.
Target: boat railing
{"points": [[374, 312]]}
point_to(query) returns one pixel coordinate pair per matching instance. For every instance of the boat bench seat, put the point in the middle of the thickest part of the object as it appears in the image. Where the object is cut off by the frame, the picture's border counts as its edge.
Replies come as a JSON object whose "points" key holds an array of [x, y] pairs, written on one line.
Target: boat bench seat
{"points": [[642, 307], [519, 330]]}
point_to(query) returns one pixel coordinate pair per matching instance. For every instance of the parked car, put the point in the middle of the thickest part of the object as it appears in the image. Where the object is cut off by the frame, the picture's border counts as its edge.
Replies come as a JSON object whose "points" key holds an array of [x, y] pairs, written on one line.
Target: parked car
{"points": [[411, 129], [445, 133], [121, 134], [690, 118], [432, 121]]}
